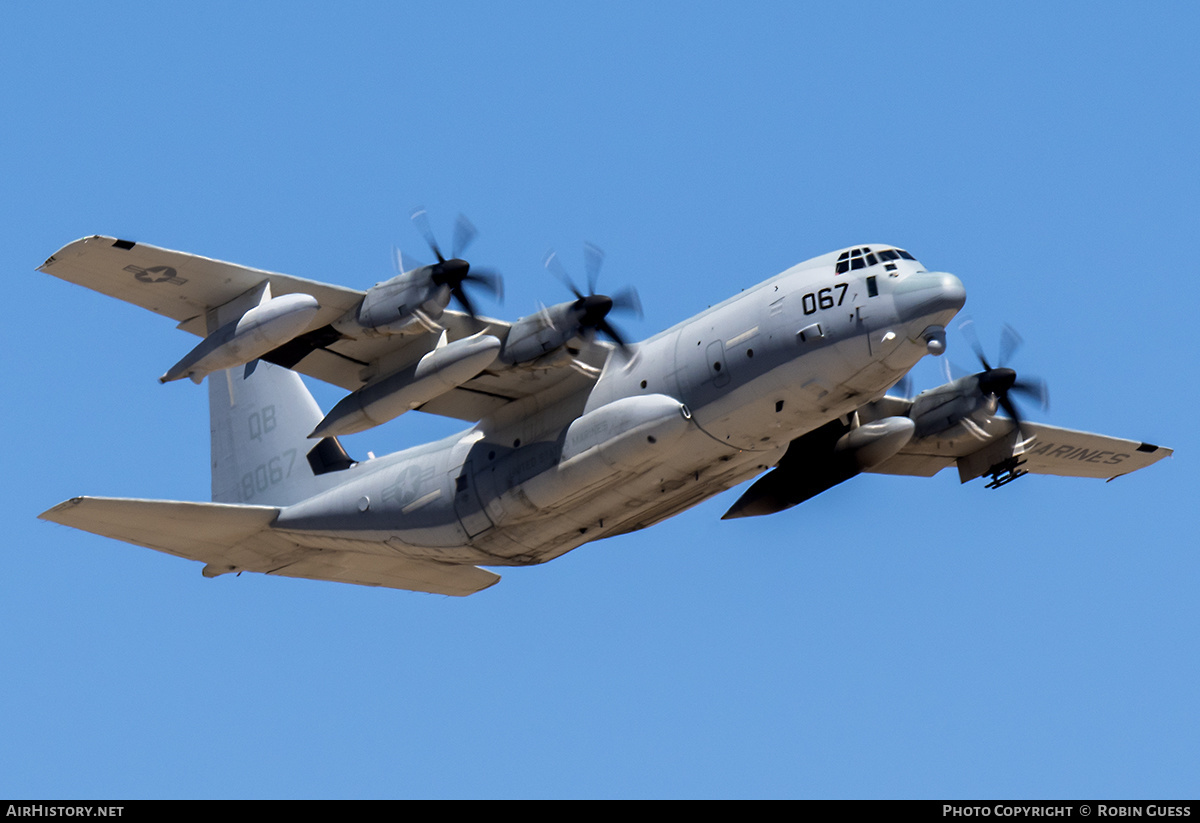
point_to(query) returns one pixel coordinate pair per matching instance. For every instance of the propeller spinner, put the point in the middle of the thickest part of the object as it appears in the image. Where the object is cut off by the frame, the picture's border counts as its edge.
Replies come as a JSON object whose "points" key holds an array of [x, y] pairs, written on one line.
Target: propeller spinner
{"points": [[591, 310], [454, 271], [1001, 382]]}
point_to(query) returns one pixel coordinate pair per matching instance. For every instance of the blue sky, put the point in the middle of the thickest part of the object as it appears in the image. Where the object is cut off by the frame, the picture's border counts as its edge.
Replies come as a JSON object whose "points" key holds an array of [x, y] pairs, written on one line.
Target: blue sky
{"points": [[893, 637]]}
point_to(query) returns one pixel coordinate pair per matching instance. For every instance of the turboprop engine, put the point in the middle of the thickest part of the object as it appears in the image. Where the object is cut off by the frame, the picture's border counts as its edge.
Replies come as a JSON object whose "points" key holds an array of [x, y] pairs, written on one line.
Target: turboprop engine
{"points": [[550, 330], [942, 408], [415, 299], [541, 334], [969, 401], [408, 302]]}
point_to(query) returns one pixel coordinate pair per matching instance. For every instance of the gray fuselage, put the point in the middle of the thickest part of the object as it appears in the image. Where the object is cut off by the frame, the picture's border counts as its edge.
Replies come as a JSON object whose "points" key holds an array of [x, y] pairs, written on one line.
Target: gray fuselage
{"points": [[691, 412]]}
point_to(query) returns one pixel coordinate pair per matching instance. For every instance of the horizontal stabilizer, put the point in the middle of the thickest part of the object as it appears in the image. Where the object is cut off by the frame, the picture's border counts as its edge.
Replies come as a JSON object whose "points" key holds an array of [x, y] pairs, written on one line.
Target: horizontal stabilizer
{"points": [[197, 531], [233, 538]]}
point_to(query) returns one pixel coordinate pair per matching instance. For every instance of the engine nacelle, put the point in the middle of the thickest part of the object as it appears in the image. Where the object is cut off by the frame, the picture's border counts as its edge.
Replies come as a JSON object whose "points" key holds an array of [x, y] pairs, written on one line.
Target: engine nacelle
{"points": [[262, 328], [541, 334], [395, 306], [940, 409]]}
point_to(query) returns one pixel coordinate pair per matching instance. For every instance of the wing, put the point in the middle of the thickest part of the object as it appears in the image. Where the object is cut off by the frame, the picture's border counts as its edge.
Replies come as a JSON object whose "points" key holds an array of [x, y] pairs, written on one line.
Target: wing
{"points": [[185, 287], [230, 538], [1048, 450], [177, 285]]}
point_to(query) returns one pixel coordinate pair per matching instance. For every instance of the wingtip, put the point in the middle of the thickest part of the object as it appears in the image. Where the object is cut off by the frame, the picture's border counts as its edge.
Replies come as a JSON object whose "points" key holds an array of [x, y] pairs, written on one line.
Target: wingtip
{"points": [[49, 515]]}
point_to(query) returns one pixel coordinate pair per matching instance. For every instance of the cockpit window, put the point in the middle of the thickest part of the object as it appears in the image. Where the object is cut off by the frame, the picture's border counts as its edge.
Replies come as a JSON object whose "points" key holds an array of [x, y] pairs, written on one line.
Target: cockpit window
{"points": [[864, 257]]}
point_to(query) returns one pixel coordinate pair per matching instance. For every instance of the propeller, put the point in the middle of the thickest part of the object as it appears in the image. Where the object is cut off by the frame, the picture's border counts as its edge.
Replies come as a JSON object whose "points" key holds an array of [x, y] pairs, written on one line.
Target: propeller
{"points": [[1001, 381], [454, 271], [592, 309]]}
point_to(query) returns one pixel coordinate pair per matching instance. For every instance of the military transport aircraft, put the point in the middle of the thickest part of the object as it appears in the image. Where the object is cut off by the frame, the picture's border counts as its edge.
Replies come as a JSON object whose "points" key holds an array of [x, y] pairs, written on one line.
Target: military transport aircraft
{"points": [[574, 438]]}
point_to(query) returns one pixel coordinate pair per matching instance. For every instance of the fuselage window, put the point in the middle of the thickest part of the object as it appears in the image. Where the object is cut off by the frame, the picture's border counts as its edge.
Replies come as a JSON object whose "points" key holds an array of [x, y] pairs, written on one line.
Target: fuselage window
{"points": [[843, 264], [861, 258]]}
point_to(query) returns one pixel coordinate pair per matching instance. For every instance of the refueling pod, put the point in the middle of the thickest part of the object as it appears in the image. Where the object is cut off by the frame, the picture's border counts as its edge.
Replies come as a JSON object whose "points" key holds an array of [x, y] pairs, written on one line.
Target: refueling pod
{"points": [[446, 367], [264, 327]]}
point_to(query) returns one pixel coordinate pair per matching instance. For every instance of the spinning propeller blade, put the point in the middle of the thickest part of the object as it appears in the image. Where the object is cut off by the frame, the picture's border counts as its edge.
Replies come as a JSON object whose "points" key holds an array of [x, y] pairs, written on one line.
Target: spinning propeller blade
{"points": [[592, 308], [1000, 381], [456, 272]]}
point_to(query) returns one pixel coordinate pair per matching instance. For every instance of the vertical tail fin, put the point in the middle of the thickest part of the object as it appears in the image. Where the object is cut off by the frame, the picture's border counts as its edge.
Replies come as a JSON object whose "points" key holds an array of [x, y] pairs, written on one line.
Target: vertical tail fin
{"points": [[260, 416]]}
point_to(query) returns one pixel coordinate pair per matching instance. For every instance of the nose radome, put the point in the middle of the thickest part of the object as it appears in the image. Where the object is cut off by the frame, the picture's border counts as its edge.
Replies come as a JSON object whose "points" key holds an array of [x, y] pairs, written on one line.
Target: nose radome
{"points": [[953, 290], [929, 292]]}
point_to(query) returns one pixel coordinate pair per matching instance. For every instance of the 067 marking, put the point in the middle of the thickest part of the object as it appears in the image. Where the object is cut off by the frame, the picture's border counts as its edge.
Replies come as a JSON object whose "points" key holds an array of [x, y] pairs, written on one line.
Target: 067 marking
{"points": [[823, 299]]}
